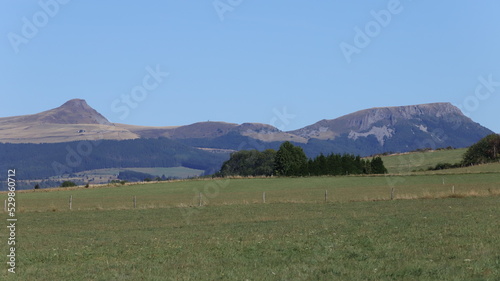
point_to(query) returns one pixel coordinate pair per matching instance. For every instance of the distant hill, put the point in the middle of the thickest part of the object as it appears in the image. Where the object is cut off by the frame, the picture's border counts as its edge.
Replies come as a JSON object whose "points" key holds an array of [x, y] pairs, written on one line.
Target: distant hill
{"points": [[75, 111], [205, 145], [396, 129], [74, 120], [39, 161], [385, 123], [211, 130]]}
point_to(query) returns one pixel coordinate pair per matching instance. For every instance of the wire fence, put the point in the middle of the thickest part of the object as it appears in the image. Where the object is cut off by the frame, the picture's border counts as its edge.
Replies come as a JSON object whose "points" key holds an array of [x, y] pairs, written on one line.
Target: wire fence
{"points": [[75, 200]]}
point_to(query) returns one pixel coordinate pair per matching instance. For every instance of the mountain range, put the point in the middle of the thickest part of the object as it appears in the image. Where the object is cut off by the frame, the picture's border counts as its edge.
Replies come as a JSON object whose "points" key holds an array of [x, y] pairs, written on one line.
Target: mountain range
{"points": [[365, 132], [441, 124]]}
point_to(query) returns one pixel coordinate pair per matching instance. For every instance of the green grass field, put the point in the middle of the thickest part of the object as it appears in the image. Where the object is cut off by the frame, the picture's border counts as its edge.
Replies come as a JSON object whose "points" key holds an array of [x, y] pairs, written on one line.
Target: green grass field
{"points": [[179, 172], [409, 162], [250, 191], [427, 233], [102, 176], [436, 239]]}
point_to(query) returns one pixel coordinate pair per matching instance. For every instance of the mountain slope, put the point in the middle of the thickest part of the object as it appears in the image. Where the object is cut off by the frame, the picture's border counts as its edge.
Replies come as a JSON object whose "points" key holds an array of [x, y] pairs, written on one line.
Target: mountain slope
{"points": [[37, 161], [369, 131], [398, 129], [74, 120], [212, 130], [75, 111]]}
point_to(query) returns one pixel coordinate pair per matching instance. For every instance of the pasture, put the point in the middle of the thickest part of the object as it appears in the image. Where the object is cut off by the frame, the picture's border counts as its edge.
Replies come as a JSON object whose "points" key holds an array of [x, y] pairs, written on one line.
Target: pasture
{"points": [[438, 227], [100, 176], [433, 239], [415, 161], [185, 194]]}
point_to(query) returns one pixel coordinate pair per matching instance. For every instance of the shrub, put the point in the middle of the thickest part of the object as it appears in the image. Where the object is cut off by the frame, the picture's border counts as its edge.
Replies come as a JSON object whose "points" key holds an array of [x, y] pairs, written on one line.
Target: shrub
{"points": [[484, 151], [68, 184]]}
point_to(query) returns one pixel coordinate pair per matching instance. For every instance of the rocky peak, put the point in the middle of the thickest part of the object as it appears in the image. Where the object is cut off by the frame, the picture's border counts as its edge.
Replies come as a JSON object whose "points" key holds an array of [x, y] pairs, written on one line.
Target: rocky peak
{"points": [[364, 119], [384, 117], [75, 111]]}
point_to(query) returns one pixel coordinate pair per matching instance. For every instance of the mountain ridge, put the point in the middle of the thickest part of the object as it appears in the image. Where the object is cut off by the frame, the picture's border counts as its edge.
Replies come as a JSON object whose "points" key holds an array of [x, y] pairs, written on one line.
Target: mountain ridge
{"points": [[372, 130], [56, 135], [330, 128]]}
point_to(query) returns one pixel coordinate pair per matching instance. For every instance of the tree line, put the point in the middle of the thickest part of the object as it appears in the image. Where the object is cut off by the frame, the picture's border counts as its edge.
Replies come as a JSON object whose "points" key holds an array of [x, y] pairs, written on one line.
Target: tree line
{"points": [[290, 160], [484, 151]]}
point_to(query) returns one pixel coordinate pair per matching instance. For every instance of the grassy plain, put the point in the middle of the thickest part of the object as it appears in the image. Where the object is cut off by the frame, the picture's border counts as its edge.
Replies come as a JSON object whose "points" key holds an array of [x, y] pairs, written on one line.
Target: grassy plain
{"points": [[414, 161], [250, 191], [179, 172], [435, 239], [427, 233]]}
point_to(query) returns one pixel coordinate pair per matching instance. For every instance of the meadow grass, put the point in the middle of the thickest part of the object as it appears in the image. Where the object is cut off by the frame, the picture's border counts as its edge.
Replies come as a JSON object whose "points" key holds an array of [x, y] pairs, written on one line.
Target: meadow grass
{"points": [[180, 172], [435, 239], [250, 191], [477, 169], [426, 233], [414, 161], [100, 176]]}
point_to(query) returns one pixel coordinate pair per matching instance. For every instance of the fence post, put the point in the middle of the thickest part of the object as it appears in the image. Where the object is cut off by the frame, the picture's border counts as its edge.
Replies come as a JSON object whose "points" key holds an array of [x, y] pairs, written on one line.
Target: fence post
{"points": [[71, 202], [326, 195], [392, 193], [453, 189], [135, 202], [5, 205], [264, 197], [200, 202]]}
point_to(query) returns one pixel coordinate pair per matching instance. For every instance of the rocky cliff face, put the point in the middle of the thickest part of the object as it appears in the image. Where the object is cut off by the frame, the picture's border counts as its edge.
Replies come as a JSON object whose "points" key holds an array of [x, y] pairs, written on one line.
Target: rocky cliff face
{"points": [[364, 120], [441, 124]]}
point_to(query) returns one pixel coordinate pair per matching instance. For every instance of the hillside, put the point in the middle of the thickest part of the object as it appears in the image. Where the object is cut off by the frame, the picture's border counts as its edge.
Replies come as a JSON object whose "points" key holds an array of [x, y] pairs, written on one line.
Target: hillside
{"points": [[212, 130], [205, 145], [41, 161], [74, 120], [369, 131], [416, 161], [398, 129], [75, 111]]}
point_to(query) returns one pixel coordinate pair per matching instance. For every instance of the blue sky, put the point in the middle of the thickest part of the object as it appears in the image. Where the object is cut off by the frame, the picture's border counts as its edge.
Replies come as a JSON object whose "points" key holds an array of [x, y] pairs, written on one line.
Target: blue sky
{"points": [[275, 62]]}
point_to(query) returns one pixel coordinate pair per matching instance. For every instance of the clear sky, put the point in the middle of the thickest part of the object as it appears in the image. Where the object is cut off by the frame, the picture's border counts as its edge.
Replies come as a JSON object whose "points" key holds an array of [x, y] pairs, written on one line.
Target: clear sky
{"points": [[288, 63]]}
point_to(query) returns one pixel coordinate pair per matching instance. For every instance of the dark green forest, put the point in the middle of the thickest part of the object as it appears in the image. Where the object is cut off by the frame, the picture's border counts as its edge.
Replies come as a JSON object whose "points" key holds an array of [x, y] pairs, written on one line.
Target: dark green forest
{"points": [[255, 158], [290, 160], [39, 161]]}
